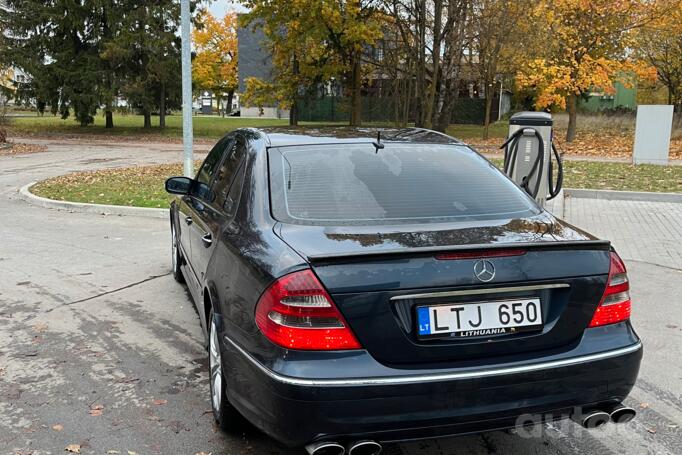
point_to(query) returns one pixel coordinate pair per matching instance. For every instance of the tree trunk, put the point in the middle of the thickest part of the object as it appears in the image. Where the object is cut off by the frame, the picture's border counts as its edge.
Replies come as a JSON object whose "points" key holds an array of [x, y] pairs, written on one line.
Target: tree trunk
{"points": [[147, 119], [293, 111], [420, 85], [571, 106], [397, 104], [405, 100], [355, 87], [293, 114], [449, 100], [488, 108], [162, 107], [435, 56], [228, 105], [109, 119]]}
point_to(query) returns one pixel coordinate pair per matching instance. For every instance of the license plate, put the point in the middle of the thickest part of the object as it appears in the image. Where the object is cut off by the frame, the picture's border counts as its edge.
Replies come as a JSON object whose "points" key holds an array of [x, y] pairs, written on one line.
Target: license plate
{"points": [[479, 318]]}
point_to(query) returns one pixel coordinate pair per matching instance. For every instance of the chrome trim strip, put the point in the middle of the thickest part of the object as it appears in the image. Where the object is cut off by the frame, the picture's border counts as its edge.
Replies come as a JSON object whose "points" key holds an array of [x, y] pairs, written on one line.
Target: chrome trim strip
{"points": [[428, 295], [432, 377], [577, 244]]}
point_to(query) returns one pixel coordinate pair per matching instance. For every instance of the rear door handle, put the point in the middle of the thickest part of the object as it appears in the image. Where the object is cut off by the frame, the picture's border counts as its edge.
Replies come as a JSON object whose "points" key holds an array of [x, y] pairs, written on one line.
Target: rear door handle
{"points": [[188, 220], [207, 239]]}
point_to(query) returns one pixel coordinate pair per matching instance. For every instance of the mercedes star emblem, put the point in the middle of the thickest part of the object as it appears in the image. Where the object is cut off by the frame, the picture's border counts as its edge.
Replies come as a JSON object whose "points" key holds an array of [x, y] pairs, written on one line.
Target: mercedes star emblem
{"points": [[484, 271]]}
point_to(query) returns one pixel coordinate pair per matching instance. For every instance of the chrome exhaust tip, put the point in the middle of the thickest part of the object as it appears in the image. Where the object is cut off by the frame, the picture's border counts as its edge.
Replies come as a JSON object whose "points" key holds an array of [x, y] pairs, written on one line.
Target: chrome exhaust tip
{"points": [[622, 414], [592, 419], [325, 448], [364, 448]]}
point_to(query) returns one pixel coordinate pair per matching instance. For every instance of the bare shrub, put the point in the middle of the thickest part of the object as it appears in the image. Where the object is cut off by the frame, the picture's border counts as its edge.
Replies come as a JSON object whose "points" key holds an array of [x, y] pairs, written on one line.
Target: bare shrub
{"points": [[596, 122], [611, 123]]}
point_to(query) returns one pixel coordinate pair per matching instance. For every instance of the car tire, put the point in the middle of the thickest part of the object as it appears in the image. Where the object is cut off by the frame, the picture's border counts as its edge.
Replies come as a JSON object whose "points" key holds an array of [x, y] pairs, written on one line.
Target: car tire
{"points": [[226, 416], [176, 256]]}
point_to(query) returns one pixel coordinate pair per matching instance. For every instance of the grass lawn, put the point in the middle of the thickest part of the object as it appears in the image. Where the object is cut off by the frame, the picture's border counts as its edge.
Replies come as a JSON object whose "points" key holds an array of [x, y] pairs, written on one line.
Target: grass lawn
{"points": [[468, 132], [207, 127], [143, 186], [596, 175], [132, 125]]}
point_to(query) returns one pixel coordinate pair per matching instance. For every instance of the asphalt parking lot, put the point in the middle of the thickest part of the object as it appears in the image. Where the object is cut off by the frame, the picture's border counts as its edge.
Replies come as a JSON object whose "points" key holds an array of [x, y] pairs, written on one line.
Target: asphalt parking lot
{"points": [[101, 349]]}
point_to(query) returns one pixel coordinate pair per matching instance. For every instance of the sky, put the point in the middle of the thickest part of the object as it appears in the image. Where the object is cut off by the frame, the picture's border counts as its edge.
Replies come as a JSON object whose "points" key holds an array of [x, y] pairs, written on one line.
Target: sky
{"points": [[220, 7]]}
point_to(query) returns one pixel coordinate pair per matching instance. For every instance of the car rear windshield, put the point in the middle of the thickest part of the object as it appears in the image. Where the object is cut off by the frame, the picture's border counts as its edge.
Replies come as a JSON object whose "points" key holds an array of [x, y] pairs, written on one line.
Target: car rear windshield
{"points": [[343, 183]]}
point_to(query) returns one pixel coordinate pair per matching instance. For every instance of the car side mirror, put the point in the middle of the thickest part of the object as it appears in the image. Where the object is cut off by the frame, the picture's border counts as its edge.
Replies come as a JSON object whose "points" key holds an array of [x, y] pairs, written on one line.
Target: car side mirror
{"points": [[179, 185]]}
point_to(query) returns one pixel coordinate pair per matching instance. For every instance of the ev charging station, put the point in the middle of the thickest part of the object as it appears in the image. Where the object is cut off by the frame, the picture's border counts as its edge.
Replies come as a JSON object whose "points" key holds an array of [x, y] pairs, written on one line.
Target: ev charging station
{"points": [[528, 155]]}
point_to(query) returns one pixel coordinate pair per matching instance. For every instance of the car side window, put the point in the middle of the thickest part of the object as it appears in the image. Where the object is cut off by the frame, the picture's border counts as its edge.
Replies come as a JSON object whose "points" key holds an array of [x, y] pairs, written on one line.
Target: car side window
{"points": [[208, 169], [231, 202], [225, 174]]}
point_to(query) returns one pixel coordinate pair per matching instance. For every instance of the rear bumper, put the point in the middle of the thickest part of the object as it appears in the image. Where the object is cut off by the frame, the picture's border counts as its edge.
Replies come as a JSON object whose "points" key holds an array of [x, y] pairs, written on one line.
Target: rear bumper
{"points": [[299, 410]]}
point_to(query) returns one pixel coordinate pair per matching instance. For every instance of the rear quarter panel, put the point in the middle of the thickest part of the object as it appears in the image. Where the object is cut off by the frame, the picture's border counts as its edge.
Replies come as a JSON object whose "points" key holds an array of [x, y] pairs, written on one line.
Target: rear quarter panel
{"points": [[248, 256]]}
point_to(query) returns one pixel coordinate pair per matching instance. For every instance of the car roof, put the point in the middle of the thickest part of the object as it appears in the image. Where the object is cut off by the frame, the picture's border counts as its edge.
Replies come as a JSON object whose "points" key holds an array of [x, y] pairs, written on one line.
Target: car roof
{"points": [[287, 136]]}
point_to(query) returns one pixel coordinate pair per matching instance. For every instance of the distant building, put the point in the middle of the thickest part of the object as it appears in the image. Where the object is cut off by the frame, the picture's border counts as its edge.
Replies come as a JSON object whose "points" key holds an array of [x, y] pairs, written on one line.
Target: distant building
{"points": [[255, 61], [623, 98], [11, 79]]}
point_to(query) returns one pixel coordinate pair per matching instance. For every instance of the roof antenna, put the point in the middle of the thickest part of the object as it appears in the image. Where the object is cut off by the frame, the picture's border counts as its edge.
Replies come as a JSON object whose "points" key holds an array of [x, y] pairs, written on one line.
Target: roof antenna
{"points": [[378, 145], [289, 172]]}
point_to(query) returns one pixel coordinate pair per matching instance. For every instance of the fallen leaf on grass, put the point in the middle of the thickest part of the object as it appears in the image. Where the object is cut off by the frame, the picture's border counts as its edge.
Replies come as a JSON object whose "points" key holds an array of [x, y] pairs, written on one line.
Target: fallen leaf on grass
{"points": [[73, 448], [58, 427], [159, 401]]}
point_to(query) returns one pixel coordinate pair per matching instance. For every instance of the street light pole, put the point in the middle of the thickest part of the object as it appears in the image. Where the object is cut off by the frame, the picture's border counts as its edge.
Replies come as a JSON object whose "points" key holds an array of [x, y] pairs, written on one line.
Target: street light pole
{"points": [[187, 132]]}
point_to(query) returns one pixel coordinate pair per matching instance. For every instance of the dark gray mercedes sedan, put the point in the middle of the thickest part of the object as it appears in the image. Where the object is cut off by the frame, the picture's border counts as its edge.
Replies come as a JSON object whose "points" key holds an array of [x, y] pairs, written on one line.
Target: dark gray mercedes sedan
{"points": [[358, 288]]}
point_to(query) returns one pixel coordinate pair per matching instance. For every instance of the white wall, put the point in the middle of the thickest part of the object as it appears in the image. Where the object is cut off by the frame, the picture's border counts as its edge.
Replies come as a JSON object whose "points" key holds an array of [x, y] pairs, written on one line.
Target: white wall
{"points": [[267, 112]]}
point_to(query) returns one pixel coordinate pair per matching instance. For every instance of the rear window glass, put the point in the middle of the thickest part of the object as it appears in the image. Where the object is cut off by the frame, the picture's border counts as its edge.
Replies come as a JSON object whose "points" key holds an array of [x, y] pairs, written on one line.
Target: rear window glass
{"points": [[402, 183]]}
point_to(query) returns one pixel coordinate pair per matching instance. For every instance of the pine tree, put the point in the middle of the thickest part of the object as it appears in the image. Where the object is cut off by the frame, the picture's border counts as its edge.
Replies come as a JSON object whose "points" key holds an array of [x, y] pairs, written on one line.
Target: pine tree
{"points": [[145, 49], [59, 47], [82, 54]]}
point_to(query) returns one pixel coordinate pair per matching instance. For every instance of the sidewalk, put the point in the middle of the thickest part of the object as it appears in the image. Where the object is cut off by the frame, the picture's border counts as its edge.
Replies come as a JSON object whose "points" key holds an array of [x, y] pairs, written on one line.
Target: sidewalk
{"points": [[640, 230]]}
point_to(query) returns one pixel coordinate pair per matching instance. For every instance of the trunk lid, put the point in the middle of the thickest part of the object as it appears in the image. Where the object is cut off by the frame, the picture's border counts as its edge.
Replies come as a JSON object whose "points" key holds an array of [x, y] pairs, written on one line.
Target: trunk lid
{"points": [[379, 278]]}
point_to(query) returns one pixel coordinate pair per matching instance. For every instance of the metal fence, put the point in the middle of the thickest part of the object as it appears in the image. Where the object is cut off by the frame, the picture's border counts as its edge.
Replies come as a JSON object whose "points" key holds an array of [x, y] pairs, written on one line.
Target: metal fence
{"points": [[384, 110]]}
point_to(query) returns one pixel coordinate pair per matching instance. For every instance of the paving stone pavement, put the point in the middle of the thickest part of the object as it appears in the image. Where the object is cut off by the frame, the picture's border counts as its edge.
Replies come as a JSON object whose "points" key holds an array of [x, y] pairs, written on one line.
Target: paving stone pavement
{"points": [[640, 231]]}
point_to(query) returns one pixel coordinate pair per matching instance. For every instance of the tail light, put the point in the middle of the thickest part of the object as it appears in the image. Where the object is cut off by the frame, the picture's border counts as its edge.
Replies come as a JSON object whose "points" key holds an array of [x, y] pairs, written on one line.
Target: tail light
{"points": [[296, 312], [479, 254], [615, 305]]}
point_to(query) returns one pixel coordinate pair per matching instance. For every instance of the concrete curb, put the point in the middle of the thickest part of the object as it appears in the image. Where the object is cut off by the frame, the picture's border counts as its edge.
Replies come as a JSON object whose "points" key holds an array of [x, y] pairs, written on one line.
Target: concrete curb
{"points": [[80, 207], [623, 195], [555, 206]]}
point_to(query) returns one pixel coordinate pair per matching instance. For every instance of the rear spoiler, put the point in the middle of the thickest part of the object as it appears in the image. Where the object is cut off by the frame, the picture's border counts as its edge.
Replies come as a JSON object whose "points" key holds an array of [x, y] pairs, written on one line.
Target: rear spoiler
{"points": [[423, 251]]}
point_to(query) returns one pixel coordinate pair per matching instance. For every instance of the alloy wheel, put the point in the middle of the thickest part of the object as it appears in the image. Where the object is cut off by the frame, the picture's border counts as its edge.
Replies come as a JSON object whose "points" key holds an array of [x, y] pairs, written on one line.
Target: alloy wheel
{"points": [[215, 366], [174, 249]]}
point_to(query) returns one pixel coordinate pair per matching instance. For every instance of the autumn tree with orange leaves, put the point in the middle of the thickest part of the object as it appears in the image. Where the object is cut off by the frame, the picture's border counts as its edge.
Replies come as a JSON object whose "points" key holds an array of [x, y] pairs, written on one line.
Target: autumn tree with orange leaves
{"points": [[660, 44], [312, 42], [215, 64], [586, 48]]}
